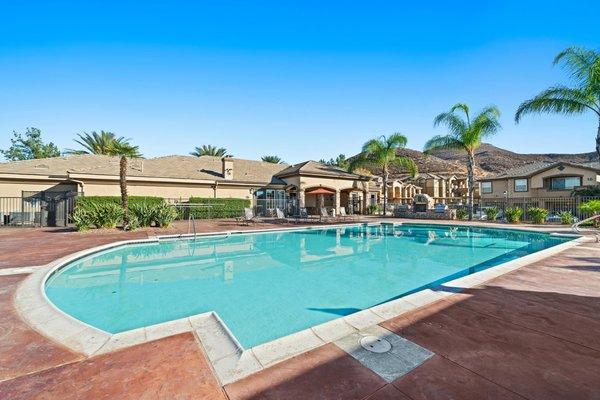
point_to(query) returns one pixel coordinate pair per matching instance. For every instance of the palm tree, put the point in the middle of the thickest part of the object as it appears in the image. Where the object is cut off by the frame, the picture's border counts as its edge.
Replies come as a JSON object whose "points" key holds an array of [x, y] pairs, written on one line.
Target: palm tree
{"points": [[107, 143], [382, 153], [584, 67], [209, 150], [272, 159], [465, 134]]}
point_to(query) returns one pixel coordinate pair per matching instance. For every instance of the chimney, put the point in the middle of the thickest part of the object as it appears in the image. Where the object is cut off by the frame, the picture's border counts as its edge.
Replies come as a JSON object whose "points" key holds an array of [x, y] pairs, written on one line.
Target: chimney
{"points": [[227, 168]]}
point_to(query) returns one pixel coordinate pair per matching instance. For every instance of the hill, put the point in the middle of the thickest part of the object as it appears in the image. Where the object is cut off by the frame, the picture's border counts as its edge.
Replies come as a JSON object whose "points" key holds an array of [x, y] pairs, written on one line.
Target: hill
{"points": [[492, 159]]}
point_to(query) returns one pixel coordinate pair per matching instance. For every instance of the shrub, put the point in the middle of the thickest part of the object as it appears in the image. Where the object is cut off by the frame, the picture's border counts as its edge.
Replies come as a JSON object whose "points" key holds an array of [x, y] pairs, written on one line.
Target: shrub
{"points": [[590, 191], [217, 208], [538, 215], [373, 209], [590, 207], [492, 213], [513, 214], [462, 213], [89, 200], [164, 214], [566, 218], [143, 212], [107, 215], [82, 218]]}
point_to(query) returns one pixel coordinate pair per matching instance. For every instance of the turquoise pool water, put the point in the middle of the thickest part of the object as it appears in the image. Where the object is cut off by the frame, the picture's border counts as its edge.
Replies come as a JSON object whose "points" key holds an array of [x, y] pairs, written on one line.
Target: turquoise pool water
{"points": [[268, 285]]}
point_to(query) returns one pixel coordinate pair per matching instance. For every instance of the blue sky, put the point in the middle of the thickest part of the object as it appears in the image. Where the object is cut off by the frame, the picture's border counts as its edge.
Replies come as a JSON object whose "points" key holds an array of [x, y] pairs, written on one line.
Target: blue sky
{"points": [[302, 80]]}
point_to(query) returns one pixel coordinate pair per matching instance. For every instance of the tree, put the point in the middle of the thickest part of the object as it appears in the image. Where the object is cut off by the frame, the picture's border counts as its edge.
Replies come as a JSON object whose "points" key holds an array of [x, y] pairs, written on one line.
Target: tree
{"points": [[107, 143], [209, 150], [340, 161], [465, 134], [272, 159], [382, 153], [584, 96], [29, 147]]}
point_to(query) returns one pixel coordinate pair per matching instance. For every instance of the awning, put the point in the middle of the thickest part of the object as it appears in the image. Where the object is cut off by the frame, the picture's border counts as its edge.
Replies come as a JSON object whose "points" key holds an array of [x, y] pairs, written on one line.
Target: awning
{"points": [[320, 191]]}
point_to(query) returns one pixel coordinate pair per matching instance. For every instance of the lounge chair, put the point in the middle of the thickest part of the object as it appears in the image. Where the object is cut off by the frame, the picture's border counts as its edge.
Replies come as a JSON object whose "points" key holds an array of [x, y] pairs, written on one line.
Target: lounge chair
{"points": [[345, 216], [280, 216], [248, 217], [324, 215]]}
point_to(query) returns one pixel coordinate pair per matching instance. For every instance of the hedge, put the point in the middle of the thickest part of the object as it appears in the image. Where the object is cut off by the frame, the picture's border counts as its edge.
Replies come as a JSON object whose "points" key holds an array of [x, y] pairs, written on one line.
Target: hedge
{"points": [[217, 208], [84, 201]]}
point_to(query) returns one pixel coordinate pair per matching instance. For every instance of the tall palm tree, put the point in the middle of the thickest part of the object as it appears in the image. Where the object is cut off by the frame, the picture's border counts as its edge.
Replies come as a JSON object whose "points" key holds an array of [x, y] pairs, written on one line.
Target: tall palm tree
{"points": [[272, 159], [584, 68], [465, 133], [209, 150], [382, 153], [107, 143]]}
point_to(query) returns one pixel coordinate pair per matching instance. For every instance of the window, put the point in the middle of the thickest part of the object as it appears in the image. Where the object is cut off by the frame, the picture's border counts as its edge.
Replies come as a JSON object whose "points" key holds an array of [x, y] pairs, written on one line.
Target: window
{"points": [[520, 185], [565, 183], [486, 187]]}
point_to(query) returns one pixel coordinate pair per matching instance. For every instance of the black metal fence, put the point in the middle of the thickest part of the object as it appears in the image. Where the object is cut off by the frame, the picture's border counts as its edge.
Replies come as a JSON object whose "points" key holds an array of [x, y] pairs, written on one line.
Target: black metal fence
{"points": [[554, 205], [37, 209]]}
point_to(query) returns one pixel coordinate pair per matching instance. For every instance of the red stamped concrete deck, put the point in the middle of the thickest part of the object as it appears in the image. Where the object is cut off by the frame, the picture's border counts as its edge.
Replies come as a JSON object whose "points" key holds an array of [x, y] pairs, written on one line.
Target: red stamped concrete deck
{"points": [[530, 334]]}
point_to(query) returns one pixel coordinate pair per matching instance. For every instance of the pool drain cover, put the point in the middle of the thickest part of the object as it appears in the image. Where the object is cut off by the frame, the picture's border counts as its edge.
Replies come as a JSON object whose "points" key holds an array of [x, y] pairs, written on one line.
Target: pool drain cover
{"points": [[375, 344]]}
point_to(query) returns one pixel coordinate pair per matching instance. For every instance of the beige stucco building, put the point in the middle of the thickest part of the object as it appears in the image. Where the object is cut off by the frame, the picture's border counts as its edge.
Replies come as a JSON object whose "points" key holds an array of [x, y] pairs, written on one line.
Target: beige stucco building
{"points": [[267, 185], [540, 179]]}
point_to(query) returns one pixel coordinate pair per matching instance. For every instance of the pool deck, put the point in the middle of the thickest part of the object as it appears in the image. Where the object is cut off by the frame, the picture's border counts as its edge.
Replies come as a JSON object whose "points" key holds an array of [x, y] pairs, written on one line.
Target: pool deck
{"points": [[533, 333]]}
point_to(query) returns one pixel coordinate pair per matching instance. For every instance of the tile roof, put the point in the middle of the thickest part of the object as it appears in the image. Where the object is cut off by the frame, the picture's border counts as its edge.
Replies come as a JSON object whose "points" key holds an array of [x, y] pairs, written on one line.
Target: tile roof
{"points": [[317, 168], [536, 167], [175, 167]]}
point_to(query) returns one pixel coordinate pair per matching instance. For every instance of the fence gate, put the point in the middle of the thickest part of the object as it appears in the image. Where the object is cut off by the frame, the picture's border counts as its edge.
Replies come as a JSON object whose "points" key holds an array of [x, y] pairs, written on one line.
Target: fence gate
{"points": [[48, 208]]}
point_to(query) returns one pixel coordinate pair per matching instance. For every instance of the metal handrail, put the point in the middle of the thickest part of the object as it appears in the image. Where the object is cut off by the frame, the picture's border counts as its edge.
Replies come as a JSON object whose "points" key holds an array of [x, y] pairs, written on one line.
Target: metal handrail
{"points": [[575, 226], [192, 221]]}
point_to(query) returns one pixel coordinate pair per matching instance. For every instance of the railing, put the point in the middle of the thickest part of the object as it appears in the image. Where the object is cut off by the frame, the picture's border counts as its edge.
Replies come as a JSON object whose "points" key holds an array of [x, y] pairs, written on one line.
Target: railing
{"points": [[575, 226], [554, 205]]}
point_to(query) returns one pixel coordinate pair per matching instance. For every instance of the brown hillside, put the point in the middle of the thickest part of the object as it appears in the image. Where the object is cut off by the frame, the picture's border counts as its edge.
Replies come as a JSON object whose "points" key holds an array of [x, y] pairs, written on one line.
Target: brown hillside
{"points": [[492, 159]]}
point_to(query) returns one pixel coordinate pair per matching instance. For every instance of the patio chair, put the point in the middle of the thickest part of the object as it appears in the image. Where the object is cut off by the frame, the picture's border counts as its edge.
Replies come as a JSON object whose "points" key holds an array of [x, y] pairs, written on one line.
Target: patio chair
{"points": [[280, 216], [345, 216], [324, 215], [302, 215], [248, 217]]}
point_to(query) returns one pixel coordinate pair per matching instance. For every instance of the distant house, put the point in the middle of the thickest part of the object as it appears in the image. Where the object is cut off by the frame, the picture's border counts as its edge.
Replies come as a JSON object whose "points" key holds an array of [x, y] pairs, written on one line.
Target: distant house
{"points": [[440, 186], [308, 184], [540, 179]]}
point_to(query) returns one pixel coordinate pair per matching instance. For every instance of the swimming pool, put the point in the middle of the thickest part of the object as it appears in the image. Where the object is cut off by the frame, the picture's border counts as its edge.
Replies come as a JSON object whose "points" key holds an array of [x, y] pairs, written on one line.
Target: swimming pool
{"points": [[268, 285]]}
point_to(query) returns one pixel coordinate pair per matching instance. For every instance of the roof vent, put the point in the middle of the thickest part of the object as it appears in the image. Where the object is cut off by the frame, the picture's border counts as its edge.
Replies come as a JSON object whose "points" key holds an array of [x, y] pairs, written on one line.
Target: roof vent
{"points": [[42, 166]]}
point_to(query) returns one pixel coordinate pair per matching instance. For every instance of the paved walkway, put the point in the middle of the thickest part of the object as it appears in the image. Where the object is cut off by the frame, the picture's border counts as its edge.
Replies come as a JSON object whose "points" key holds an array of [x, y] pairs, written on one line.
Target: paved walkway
{"points": [[530, 334]]}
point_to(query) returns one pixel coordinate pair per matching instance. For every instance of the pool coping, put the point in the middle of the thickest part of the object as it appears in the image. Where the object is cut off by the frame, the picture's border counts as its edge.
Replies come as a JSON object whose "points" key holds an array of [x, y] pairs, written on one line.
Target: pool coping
{"points": [[230, 361]]}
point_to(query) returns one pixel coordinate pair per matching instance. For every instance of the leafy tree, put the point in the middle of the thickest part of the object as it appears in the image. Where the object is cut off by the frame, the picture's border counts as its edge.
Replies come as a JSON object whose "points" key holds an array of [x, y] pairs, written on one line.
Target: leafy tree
{"points": [[107, 143], [29, 146], [209, 150], [340, 161], [272, 159], [382, 153], [465, 133], [583, 66]]}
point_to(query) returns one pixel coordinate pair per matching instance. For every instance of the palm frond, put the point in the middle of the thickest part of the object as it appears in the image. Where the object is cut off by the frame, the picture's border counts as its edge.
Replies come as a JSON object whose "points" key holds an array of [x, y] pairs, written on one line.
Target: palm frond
{"points": [[443, 142], [559, 100], [579, 62], [396, 140], [406, 164], [455, 124], [461, 106]]}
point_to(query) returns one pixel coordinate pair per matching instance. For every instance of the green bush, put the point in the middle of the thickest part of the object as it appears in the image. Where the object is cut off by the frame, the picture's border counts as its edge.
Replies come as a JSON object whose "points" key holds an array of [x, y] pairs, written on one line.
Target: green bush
{"points": [[204, 208], [590, 207], [107, 215], [538, 215], [373, 209], [513, 214], [492, 213], [143, 212], [590, 191], [164, 215], [566, 218], [462, 213], [82, 218], [89, 200]]}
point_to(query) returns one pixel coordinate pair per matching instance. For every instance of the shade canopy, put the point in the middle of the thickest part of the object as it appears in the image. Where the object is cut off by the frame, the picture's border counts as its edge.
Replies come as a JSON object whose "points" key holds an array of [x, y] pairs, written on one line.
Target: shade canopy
{"points": [[320, 191]]}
